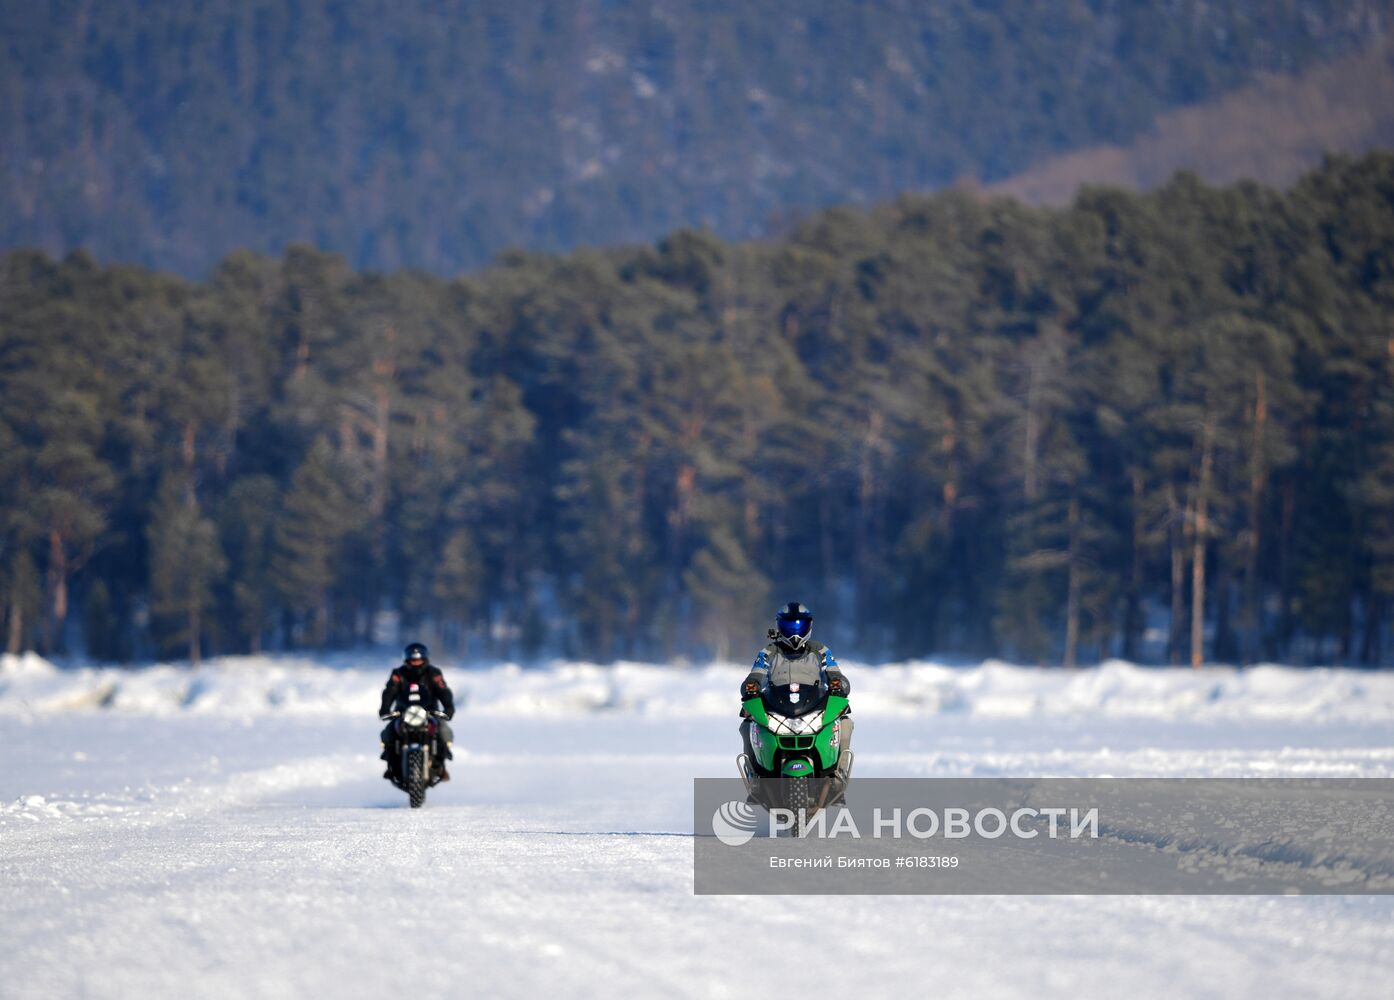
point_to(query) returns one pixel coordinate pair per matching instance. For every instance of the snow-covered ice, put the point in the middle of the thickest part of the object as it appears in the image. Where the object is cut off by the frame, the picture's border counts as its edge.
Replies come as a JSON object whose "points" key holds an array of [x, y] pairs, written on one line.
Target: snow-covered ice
{"points": [[225, 832]]}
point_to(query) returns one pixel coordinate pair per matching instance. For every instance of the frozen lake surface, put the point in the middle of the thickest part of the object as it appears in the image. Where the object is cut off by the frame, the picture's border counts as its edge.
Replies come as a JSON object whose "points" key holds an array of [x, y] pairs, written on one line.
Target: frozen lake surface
{"points": [[227, 833]]}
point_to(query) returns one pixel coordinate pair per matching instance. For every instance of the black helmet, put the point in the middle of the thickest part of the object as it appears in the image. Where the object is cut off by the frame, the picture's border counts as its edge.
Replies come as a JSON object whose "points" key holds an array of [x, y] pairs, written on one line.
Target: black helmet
{"points": [[793, 624], [416, 651]]}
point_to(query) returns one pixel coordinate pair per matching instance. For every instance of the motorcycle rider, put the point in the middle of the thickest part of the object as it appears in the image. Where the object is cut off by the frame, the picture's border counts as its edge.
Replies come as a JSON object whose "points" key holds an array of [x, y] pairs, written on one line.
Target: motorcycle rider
{"points": [[416, 674], [792, 657]]}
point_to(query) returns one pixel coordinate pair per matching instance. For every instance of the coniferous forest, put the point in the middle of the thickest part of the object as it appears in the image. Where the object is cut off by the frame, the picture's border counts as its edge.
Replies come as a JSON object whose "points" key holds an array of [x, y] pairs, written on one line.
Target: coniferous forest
{"points": [[1157, 426], [434, 133]]}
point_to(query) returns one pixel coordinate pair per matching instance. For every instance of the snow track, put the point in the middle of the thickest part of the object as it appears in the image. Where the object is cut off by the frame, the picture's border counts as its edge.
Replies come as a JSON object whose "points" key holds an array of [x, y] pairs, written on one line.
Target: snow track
{"points": [[237, 840]]}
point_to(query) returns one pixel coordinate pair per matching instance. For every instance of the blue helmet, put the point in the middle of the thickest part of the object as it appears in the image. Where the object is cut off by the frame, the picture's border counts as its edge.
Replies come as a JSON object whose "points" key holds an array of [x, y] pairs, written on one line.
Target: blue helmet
{"points": [[794, 624]]}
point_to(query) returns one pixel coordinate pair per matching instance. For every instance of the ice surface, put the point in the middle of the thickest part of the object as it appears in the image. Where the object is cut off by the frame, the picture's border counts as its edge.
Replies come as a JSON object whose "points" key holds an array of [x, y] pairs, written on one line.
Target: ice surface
{"points": [[225, 833]]}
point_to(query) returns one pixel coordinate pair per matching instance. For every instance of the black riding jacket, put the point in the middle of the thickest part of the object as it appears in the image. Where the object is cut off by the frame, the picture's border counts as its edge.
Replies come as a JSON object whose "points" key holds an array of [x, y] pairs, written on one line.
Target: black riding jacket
{"points": [[429, 683]]}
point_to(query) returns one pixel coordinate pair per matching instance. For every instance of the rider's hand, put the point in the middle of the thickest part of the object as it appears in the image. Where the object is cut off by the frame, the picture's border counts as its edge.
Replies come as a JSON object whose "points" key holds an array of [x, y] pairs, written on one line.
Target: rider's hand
{"points": [[750, 689], [836, 685]]}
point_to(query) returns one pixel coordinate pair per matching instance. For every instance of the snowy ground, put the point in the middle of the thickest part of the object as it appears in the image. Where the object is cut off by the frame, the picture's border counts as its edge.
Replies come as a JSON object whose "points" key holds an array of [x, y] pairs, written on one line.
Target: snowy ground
{"points": [[226, 833]]}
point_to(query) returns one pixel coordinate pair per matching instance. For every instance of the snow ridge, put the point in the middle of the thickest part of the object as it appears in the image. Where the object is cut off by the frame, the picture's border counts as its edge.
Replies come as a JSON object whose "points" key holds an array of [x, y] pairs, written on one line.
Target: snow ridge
{"points": [[251, 687]]}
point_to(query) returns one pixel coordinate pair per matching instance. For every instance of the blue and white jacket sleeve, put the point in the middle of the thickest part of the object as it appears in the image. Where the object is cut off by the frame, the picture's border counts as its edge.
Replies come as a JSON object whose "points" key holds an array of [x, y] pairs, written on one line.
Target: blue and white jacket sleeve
{"points": [[759, 673], [833, 670]]}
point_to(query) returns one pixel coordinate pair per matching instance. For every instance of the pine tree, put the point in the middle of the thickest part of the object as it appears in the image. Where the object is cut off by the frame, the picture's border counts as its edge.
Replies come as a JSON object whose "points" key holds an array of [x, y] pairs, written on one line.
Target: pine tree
{"points": [[186, 563], [730, 595], [320, 514], [23, 599], [247, 521]]}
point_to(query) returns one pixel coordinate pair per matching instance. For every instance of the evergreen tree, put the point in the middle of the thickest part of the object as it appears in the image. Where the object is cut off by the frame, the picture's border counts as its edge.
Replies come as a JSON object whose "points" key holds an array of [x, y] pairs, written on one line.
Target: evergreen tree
{"points": [[247, 524], [186, 563], [320, 514], [729, 594]]}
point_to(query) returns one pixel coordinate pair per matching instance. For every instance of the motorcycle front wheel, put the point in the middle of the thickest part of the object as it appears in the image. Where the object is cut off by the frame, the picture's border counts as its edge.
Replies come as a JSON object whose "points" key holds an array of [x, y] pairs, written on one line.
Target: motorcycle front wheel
{"points": [[798, 796], [416, 778]]}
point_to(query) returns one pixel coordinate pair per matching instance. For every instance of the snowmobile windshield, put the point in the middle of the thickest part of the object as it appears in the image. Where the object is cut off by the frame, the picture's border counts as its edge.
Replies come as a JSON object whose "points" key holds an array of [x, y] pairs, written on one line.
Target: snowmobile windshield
{"points": [[795, 699]]}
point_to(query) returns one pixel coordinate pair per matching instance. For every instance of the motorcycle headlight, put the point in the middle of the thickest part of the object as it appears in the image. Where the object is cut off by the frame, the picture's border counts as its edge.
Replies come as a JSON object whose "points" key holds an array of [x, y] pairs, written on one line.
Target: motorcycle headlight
{"points": [[415, 716], [796, 725]]}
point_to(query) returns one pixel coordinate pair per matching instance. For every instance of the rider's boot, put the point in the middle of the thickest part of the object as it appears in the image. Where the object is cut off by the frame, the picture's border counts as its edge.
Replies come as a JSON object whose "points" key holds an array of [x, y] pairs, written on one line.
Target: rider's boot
{"points": [[844, 763]]}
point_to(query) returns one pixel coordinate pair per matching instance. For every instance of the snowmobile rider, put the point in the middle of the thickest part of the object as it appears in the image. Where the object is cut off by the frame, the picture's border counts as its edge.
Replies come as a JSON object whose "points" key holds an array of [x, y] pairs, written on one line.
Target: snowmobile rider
{"points": [[792, 657], [418, 675]]}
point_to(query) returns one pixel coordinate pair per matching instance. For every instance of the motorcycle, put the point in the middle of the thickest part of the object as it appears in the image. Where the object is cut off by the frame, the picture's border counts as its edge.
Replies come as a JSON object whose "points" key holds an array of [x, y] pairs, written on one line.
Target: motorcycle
{"points": [[416, 730], [798, 763]]}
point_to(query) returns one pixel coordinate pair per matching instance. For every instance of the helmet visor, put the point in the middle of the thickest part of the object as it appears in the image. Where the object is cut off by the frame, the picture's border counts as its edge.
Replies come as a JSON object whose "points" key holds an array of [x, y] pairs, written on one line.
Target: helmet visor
{"points": [[799, 626]]}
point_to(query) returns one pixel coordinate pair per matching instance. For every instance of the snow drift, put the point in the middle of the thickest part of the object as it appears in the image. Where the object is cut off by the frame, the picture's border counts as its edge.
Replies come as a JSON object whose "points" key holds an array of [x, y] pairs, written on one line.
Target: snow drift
{"points": [[247, 686]]}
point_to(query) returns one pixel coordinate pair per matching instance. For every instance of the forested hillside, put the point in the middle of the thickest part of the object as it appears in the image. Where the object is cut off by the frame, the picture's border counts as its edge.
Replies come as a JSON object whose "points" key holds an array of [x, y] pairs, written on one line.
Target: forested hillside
{"points": [[1153, 425], [1272, 131], [433, 135]]}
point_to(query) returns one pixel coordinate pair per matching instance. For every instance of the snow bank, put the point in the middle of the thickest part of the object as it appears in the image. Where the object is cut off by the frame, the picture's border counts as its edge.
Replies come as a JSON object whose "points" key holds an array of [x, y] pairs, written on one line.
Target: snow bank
{"points": [[246, 686]]}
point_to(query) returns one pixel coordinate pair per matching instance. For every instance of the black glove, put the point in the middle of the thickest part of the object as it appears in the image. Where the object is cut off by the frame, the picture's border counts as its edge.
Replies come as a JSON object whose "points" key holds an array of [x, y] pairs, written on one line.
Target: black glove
{"points": [[837, 685], [750, 688]]}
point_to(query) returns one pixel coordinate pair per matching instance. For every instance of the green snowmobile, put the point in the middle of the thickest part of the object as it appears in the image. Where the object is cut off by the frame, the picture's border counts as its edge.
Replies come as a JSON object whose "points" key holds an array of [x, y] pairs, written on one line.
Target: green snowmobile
{"points": [[795, 759]]}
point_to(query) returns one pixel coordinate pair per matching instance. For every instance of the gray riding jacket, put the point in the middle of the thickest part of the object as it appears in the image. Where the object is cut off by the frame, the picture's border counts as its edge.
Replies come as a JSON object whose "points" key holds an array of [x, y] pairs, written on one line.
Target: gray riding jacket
{"points": [[776, 665]]}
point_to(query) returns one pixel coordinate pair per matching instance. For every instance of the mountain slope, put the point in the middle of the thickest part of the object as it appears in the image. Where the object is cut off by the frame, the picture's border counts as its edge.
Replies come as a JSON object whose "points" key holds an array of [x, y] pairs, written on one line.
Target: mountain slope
{"points": [[1270, 131], [433, 135]]}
